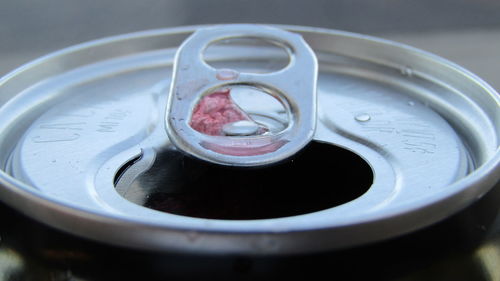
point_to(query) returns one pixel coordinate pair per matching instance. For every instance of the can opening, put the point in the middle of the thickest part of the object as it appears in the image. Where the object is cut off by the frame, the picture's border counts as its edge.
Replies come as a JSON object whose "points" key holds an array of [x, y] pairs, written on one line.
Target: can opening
{"points": [[321, 176]]}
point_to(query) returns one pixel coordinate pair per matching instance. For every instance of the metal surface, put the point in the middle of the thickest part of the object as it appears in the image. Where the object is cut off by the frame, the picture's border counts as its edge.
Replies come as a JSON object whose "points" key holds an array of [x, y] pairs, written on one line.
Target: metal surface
{"points": [[451, 250], [427, 128], [294, 86]]}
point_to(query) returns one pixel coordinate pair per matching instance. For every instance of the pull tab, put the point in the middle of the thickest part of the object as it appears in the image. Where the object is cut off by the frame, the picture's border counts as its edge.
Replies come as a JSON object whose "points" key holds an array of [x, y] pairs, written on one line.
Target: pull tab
{"points": [[202, 119]]}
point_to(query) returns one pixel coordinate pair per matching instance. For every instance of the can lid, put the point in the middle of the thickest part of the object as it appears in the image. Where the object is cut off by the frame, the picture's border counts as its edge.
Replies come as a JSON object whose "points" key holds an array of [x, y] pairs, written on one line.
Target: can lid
{"points": [[402, 139], [216, 129]]}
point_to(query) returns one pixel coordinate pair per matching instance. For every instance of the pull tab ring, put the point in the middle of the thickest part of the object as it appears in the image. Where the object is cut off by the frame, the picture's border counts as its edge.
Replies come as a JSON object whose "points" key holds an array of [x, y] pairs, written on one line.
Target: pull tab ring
{"points": [[242, 142]]}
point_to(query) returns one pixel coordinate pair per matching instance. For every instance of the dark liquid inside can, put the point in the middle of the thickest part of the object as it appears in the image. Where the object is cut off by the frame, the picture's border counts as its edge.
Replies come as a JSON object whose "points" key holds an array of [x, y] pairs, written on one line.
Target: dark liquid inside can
{"points": [[286, 189]]}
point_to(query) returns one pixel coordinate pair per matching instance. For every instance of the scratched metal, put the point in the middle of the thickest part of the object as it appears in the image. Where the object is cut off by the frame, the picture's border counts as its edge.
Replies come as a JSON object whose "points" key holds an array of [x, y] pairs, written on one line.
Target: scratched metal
{"points": [[427, 128]]}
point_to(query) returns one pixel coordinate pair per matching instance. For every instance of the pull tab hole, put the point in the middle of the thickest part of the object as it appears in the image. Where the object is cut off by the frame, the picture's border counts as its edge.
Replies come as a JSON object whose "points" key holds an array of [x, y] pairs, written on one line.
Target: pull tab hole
{"points": [[247, 54]]}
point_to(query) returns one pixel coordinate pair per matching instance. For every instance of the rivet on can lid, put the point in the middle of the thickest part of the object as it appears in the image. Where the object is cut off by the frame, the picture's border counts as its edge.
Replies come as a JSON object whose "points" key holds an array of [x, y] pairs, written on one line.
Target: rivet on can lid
{"points": [[241, 128]]}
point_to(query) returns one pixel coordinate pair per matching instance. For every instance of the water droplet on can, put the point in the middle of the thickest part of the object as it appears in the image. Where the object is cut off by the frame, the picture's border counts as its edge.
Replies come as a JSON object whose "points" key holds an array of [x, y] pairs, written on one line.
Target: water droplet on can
{"points": [[362, 117], [226, 74], [407, 71]]}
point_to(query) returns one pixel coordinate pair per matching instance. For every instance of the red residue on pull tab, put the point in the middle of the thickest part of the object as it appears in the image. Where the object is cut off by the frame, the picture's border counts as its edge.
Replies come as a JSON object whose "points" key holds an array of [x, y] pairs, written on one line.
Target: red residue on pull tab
{"points": [[215, 110]]}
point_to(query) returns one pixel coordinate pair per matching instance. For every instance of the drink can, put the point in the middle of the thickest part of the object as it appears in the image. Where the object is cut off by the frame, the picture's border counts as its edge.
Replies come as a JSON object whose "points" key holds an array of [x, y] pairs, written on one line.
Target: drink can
{"points": [[336, 140]]}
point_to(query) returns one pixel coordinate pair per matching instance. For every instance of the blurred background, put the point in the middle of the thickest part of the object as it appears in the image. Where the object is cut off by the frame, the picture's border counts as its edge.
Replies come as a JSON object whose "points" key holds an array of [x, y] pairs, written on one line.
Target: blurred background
{"points": [[464, 31]]}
